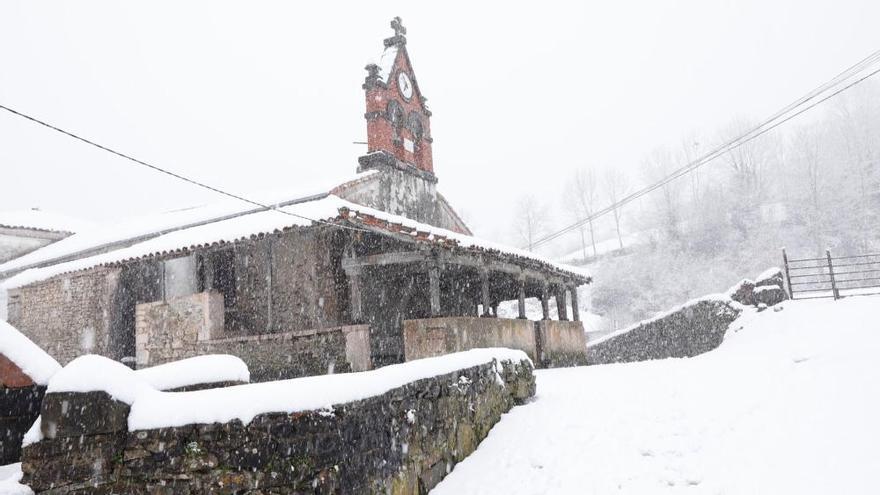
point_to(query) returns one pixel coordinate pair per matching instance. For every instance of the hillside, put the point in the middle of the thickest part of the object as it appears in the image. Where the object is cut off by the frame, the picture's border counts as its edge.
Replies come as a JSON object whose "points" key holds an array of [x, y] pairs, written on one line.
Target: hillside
{"points": [[785, 405]]}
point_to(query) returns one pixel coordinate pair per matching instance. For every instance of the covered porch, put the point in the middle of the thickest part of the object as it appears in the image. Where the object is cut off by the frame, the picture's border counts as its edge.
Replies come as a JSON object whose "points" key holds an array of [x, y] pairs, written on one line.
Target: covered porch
{"points": [[424, 300]]}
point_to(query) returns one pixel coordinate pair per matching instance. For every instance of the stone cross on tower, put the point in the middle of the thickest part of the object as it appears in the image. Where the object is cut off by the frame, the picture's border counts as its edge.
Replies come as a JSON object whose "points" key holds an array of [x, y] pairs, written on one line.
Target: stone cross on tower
{"points": [[397, 26]]}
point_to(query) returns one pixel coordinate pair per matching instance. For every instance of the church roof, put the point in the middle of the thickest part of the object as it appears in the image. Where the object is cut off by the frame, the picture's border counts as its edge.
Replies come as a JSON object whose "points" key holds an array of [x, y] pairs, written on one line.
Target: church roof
{"points": [[117, 234], [329, 208]]}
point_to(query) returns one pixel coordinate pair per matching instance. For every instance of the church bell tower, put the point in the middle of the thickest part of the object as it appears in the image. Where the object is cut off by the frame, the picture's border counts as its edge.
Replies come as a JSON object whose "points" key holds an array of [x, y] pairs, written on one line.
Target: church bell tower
{"points": [[398, 119]]}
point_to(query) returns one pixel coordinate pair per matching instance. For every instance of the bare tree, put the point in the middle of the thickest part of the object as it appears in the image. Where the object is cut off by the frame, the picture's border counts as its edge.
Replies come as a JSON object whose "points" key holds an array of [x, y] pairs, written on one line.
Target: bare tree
{"points": [[581, 197], [659, 165], [748, 164], [530, 221], [616, 185], [807, 156]]}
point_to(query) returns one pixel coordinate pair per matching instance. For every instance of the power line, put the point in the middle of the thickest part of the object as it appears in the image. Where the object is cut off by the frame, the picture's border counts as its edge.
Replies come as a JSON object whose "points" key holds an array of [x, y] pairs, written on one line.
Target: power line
{"points": [[754, 133], [174, 174]]}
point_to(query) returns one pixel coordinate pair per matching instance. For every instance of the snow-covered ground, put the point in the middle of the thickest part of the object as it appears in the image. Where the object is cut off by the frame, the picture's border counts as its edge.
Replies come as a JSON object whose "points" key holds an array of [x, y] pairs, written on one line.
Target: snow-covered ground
{"points": [[787, 404], [9, 480]]}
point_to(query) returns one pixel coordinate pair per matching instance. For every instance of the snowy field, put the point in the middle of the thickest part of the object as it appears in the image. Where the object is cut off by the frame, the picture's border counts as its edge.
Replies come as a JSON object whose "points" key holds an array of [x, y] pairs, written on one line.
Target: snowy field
{"points": [[788, 404]]}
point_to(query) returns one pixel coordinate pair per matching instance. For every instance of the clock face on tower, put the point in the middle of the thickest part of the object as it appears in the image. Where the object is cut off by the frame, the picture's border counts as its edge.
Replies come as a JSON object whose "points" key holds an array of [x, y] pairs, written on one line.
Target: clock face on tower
{"points": [[404, 85]]}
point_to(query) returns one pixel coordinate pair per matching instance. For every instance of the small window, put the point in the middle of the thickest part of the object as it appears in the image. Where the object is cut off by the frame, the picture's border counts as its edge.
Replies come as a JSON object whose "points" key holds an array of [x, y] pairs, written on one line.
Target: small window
{"points": [[180, 277], [395, 114], [414, 122]]}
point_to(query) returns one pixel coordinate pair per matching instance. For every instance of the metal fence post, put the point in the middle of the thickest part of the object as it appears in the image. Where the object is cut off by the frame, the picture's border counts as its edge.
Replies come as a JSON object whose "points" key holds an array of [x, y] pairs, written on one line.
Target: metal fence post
{"points": [[831, 273], [787, 274]]}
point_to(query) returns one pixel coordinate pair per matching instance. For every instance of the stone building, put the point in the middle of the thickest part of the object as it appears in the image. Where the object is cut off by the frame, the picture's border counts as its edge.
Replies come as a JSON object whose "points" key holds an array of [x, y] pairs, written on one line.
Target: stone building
{"points": [[357, 273], [22, 232]]}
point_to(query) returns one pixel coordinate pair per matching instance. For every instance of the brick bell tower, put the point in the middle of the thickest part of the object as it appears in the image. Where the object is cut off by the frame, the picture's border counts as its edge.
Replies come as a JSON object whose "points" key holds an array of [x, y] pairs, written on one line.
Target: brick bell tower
{"points": [[398, 119]]}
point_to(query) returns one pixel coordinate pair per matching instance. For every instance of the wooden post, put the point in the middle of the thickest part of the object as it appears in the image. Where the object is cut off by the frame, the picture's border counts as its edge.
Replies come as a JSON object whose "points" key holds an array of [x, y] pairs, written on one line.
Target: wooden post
{"points": [[521, 299], [831, 273], [561, 306], [354, 289], [484, 283], [575, 310], [787, 274], [545, 302], [434, 288]]}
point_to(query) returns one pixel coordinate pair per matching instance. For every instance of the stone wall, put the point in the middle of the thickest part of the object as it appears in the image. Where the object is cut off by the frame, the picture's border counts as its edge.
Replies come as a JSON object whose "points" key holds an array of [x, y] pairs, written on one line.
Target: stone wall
{"points": [[402, 193], [19, 407], [693, 329], [401, 442], [549, 343], [560, 343], [279, 356], [430, 337], [69, 315], [193, 325], [171, 330]]}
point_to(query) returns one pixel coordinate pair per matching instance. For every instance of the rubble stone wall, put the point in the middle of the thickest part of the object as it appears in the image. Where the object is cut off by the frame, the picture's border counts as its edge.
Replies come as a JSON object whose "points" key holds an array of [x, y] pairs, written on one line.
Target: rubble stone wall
{"points": [[686, 332], [193, 325], [68, 315], [19, 407], [401, 442]]}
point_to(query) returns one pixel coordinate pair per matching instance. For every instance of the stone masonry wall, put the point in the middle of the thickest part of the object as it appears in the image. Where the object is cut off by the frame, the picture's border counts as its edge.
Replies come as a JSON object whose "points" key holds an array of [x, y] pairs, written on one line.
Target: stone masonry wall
{"points": [[401, 442], [279, 356], [68, 315], [689, 331], [429, 337], [550, 343], [171, 330], [19, 407], [560, 343], [193, 325]]}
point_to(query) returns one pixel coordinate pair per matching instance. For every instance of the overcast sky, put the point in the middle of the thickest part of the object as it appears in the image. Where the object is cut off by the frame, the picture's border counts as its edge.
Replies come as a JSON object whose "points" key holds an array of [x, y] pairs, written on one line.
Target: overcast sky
{"points": [[262, 95]]}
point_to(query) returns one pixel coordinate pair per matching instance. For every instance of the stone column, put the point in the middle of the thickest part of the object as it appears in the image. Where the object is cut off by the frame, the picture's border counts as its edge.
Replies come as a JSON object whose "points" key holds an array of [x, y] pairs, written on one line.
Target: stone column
{"points": [[545, 302], [484, 282], [354, 290], [561, 307], [575, 311], [434, 288], [522, 299]]}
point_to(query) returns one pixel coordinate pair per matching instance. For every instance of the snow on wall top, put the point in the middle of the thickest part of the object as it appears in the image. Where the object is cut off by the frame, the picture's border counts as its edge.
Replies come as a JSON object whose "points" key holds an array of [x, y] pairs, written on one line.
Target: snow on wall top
{"points": [[33, 361], [140, 228], [41, 220], [151, 408], [210, 368]]}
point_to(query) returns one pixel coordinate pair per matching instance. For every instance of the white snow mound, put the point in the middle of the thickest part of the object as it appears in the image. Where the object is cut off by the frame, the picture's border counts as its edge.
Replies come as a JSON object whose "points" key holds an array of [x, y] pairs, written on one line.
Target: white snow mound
{"points": [[212, 368]]}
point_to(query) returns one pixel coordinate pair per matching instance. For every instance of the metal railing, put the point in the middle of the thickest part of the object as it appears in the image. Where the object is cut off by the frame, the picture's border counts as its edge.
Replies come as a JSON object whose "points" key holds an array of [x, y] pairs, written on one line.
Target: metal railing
{"points": [[832, 276]]}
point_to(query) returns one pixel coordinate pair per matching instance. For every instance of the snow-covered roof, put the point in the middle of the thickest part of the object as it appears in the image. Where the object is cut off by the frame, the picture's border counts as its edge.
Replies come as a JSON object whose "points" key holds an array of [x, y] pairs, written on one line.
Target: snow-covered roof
{"points": [[183, 231], [422, 232], [187, 239], [36, 219], [328, 209], [131, 230], [151, 408], [33, 361]]}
